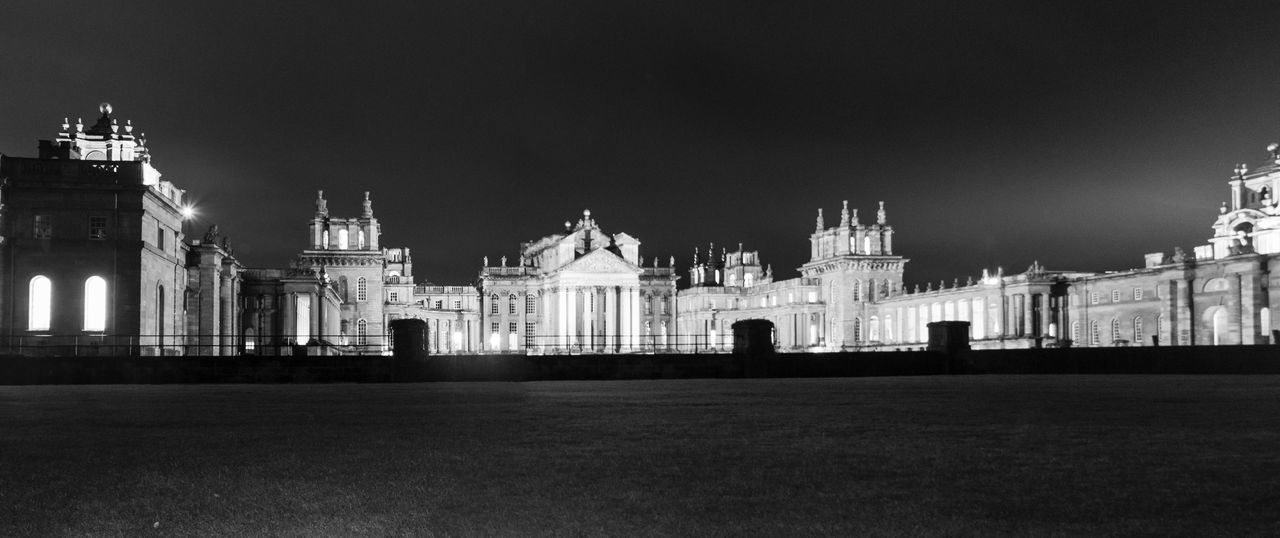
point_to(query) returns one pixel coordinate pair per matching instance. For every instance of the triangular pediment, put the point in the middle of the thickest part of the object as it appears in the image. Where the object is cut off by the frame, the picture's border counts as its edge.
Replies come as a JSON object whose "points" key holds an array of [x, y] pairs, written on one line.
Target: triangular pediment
{"points": [[600, 261]]}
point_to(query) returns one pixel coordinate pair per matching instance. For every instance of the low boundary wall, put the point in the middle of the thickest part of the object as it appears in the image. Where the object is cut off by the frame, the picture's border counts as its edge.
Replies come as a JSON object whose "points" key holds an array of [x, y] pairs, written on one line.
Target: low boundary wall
{"points": [[249, 369]]}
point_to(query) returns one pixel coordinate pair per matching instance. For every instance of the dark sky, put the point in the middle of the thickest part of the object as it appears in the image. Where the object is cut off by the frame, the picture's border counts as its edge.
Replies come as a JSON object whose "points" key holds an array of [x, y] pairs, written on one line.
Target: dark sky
{"points": [[997, 133]]}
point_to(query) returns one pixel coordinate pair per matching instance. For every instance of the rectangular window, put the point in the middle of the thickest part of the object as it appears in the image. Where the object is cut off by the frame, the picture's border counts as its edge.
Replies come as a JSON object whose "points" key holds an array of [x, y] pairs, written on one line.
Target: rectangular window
{"points": [[97, 227], [1137, 294], [493, 327], [439, 305], [393, 297], [530, 304], [159, 236], [511, 327], [666, 306], [1093, 298], [457, 305], [1115, 296], [43, 228]]}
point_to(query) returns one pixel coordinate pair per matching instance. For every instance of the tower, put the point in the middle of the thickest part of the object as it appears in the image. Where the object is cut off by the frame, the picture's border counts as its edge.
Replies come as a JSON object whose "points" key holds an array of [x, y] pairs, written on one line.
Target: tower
{"points": [[855, 265]]}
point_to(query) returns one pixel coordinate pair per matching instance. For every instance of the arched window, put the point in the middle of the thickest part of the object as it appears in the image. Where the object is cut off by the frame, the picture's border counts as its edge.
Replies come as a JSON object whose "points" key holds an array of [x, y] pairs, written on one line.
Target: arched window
{"points": [[95, 304], [362, 289], [362, 332], [324, 239], [1160, 327], [39, 303], [511, 304], [493, 304], [1094, 338], [360, 239], [857, 329], [857, 290], [1137, 330], [1115, 330], [873, 329], [888, 328], [342, 240], [1075, 331], [1219, 326], [866, 245], [747, 280], [732, 280]]}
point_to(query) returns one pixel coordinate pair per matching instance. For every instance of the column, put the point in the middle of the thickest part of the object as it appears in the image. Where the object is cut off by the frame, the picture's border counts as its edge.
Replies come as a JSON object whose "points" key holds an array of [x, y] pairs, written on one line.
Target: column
{"points": [[562, 317], [624, 332], [571, 317], [610, 318], [635, 316]]}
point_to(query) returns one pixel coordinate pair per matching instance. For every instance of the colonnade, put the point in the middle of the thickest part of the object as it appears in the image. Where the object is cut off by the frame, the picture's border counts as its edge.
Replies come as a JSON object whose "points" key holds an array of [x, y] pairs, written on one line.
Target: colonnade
{"points": [[605, 318]]}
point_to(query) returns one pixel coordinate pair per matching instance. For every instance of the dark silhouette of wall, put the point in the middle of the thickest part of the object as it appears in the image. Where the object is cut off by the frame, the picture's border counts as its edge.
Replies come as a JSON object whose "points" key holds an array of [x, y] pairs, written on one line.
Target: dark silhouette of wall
{"points": [[322, 369]]}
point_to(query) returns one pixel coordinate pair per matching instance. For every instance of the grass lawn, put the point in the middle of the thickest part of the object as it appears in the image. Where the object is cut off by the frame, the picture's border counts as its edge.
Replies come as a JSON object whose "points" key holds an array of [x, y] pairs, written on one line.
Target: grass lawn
{"points": [[981, 455]]}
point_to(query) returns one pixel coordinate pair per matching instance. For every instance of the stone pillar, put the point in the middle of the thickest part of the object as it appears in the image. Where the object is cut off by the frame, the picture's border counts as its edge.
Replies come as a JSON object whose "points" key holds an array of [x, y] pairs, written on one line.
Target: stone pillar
{"points": [[610, 318], [571, 315], [1235, 311], [1184, 332], [562, 317], [624, 332], [635, 316]]}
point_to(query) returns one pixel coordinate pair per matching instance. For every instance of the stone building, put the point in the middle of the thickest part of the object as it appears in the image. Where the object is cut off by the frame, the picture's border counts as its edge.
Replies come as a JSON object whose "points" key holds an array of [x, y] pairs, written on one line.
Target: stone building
{"points": [[93, 260], [851, 264], [578, 291]]}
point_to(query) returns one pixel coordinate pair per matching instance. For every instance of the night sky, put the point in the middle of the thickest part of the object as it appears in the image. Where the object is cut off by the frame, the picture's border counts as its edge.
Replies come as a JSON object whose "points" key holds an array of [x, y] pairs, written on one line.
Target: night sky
{"points": [[997, 134]]}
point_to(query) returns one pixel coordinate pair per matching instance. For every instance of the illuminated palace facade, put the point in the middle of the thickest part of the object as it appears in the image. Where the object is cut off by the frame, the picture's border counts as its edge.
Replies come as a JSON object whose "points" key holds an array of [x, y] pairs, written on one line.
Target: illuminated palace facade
{"points": [[94, 260], [582, 290], [850, 294]]}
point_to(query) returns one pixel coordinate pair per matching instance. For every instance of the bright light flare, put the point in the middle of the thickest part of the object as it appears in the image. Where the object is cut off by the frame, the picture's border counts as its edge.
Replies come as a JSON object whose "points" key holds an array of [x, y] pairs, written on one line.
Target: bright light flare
{"points": [[188, 212]]}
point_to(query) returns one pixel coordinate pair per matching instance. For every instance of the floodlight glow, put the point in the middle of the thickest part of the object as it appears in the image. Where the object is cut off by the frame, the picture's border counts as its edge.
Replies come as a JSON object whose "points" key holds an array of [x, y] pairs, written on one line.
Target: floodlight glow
{"points": [[188, 212]]}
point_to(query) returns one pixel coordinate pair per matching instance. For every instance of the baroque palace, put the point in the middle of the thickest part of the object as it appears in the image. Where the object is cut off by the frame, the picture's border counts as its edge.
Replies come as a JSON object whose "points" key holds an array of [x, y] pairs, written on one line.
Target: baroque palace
{"points": [[95, 261]]}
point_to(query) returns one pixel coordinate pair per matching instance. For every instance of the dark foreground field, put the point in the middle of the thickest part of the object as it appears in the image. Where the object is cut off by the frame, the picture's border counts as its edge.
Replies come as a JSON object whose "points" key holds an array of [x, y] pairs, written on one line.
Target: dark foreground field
{"points": [[1066, 455]]}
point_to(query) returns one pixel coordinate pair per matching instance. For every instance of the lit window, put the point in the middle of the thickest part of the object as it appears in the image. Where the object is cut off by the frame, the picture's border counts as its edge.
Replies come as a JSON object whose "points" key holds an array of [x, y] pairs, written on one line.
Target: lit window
{"points": [[362, 289], [324, 240], [360, 239], [747, 280], [39, 294], [97, 227], [43, 227], [813, 296], [342, 240], [362, 332], [95, 304]]}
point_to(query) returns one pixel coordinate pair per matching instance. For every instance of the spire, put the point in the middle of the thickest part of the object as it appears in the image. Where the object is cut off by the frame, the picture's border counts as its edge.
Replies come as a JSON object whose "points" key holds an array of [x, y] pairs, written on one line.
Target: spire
{"points": [[695, 256], [880, 217], [820, 226], [322, 206], [844, 214], [367, 212]]}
